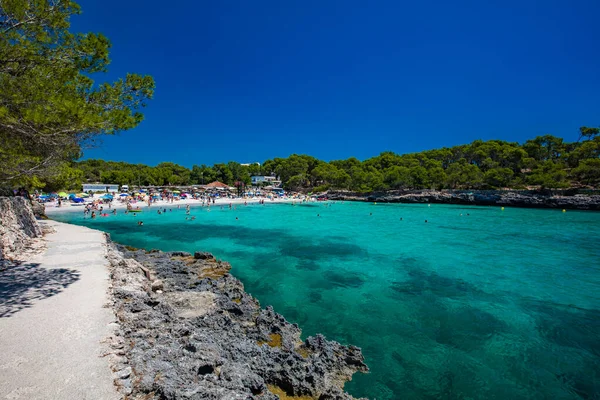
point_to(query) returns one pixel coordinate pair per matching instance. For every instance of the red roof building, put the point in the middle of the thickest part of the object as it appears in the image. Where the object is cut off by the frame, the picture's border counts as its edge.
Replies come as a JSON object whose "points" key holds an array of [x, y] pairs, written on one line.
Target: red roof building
{"points": [[217, 184]]}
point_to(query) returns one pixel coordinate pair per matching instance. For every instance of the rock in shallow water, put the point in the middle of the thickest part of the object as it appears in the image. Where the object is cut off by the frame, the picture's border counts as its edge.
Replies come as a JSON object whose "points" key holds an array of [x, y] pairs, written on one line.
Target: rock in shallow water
{"points": [[204, 337]]}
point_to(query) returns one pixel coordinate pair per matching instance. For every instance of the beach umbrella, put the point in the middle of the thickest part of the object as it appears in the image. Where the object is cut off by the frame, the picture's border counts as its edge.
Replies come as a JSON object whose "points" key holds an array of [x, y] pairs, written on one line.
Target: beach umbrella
{"points": [[83, 195], [176, 191], [106, 196], [62, 194], [123, 195]]}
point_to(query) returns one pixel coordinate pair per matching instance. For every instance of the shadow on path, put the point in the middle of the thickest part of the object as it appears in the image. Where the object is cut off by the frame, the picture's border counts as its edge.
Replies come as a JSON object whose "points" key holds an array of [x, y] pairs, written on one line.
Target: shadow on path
{"points": [[23, 284]]}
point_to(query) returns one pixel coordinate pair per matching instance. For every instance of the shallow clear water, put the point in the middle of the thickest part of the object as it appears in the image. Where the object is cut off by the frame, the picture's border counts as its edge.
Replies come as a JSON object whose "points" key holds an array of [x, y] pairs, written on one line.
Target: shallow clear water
{"points": [[490, 304]]}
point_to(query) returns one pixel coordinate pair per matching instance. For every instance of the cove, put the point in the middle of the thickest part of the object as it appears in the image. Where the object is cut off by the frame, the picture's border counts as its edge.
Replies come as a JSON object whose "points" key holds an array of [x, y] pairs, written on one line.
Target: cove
{"points": [[478, 302]]}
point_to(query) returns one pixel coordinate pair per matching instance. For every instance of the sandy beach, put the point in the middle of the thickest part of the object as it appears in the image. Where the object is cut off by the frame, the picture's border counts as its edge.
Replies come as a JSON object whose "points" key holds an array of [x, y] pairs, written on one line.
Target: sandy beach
{"points": [[116, 204]]}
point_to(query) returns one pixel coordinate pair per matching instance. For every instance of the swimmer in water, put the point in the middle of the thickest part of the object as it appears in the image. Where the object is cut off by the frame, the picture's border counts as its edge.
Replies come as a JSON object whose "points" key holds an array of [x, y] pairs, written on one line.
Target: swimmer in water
{"points": [[425, 221]]}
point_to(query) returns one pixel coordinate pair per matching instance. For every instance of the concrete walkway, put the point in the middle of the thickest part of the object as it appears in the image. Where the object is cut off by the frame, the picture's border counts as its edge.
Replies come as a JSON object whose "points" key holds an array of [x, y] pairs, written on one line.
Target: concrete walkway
{"points": [[52, 320]]}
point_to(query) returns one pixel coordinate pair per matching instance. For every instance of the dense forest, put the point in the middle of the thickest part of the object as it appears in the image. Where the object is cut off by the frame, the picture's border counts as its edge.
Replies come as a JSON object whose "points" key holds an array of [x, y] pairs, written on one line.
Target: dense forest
{"points": [[545, 162]]}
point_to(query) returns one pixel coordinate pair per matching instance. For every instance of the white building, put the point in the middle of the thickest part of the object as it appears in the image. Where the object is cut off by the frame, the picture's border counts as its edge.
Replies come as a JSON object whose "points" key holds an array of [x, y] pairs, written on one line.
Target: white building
{"points": [[100, 187], [271, 180]]}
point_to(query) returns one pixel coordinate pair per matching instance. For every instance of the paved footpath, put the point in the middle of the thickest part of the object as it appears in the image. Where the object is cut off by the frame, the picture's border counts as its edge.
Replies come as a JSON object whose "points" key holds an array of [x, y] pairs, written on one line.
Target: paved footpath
{"points": [[52, 320]]}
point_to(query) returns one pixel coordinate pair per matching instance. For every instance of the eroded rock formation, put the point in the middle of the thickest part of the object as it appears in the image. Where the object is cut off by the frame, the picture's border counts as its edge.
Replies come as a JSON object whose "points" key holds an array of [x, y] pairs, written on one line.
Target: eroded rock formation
{"points": [[188, 330], [18, 228]]}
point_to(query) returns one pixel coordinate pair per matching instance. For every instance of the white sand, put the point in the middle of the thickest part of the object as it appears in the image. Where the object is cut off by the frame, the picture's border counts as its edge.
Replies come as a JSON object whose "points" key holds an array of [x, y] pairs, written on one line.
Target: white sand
{"points": [[54, 320], [67, 207]]}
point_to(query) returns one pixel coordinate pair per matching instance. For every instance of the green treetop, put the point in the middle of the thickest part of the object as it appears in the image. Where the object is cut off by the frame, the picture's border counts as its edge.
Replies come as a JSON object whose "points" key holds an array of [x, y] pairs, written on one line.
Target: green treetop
{"points": [[49, 105]]}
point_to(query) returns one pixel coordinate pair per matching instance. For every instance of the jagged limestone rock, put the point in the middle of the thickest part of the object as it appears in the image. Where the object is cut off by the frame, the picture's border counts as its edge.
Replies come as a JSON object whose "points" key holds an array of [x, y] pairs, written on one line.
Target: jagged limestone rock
{"points": [[204, 337]]}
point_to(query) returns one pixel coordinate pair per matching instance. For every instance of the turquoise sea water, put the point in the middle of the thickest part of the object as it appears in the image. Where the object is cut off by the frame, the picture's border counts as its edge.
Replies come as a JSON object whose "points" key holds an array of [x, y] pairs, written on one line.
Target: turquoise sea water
{"points": [[490, 304]]}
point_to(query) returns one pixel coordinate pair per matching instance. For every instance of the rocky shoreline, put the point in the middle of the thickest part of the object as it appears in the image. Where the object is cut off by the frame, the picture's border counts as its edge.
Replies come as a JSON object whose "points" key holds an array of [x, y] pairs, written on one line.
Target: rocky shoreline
{"points": [[188, 330], [510, 198]]}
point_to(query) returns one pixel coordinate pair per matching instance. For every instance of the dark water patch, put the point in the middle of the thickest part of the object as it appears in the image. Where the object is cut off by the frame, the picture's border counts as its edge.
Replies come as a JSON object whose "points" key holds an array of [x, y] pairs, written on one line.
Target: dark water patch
{"points": [[322, 249], [233, 253], [585, 385], [449, 381], [566, 325], [314, 296], [421, 282], [404, 263], [308, 265], [344, 279], [338, 238], [263, 264], [466, 328], [291, 313]]}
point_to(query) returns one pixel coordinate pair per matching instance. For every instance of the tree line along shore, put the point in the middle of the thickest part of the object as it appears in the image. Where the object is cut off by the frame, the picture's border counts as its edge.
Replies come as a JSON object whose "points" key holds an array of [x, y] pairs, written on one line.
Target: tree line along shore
{"points": [[546, 162]]}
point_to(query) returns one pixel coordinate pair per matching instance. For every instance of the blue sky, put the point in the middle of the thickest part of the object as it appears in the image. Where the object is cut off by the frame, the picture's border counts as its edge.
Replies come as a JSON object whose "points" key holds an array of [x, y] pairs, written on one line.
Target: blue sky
{"points": [[252, 80]]}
